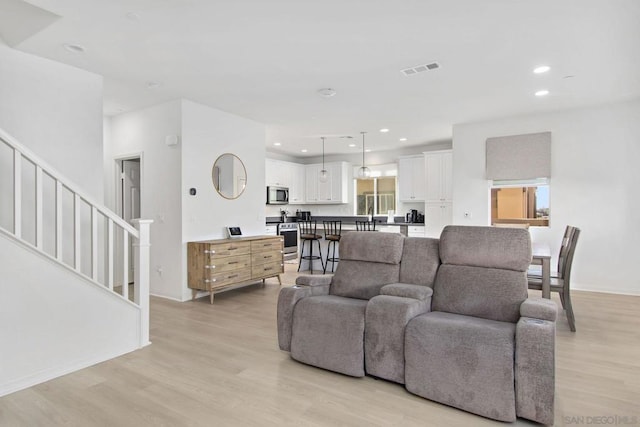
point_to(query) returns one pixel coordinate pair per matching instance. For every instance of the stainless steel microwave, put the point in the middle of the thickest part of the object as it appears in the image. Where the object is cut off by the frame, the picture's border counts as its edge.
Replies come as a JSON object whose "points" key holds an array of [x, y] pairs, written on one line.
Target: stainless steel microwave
{"points": [[277, 195]]}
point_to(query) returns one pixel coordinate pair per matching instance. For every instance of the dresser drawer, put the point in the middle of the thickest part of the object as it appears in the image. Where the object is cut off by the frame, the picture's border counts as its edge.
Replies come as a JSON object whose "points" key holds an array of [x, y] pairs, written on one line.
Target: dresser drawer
{"points": [[217, 250], [228, 278], [259, 258], [267, 245], [266, 270], [222, 264]]}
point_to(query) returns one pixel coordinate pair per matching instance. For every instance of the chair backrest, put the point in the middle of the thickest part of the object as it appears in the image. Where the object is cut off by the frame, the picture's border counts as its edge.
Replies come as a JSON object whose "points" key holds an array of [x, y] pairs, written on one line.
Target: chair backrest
{"points": [[308, 228], [482, 272], [420, 261], [564, 249], [366, 225], [368, 261], [332, 228], [565, 273]]}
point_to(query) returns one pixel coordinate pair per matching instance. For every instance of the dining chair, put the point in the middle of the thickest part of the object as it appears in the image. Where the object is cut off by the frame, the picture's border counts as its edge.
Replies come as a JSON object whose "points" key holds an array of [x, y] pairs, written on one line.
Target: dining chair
{"points": [[561, 281], [366, 225]]}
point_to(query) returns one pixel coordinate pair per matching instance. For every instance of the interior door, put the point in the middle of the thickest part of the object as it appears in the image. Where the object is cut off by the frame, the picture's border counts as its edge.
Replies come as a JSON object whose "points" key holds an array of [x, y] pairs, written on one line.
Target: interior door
{"points": [[130, 180]]}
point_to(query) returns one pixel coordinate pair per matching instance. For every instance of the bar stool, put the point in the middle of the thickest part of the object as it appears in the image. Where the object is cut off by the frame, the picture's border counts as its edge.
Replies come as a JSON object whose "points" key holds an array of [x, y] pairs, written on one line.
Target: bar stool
{"points": [[308, 233], [332, 232], [366, 225]]}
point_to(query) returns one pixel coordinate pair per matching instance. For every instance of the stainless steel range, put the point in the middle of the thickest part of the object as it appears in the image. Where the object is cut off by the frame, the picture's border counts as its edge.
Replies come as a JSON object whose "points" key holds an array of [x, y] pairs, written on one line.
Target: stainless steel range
{"points": [[289, 231]]}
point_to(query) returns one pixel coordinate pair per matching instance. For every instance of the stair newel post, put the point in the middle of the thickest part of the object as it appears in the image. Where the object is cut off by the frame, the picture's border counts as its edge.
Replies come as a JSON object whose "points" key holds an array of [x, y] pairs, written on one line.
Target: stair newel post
{"points": [[141, 275]]}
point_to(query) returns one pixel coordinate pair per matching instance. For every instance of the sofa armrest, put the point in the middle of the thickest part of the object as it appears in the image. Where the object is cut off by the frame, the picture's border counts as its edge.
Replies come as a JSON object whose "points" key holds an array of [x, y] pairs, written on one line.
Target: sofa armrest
{"points": [[535, 361], [539, 308], [287, 300], [406, 290], [385, 321], [314, 280]]}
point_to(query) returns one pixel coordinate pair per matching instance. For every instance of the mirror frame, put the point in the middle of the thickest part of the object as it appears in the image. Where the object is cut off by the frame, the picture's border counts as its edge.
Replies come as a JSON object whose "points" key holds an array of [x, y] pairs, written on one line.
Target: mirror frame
{"points": [[216, 186]]}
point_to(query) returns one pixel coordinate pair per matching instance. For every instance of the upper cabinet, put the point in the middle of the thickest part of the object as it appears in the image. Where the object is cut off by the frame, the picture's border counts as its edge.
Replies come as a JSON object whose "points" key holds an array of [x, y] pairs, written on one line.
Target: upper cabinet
{"points": [[439, 173], [333, 190], [411, 178], [277, 173], [297, 184]]}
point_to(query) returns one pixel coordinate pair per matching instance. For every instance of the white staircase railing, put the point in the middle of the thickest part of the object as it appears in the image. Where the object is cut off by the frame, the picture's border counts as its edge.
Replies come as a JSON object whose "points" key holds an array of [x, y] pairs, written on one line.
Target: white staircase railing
{"points": [[43, 209]]}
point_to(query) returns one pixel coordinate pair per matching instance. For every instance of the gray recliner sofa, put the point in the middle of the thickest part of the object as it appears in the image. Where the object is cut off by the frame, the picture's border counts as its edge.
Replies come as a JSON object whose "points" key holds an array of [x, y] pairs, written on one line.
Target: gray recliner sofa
{"points": [[448, 318]]}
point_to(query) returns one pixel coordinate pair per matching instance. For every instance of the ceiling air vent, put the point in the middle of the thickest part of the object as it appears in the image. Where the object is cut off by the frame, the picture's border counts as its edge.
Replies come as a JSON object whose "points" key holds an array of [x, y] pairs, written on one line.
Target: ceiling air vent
{"points": [[420, 69]]}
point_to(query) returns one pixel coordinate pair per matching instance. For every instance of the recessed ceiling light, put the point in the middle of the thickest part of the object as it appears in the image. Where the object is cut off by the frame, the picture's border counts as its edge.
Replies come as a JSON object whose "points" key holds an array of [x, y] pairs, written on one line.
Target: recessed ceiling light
{"points": [[74, 48], [277, 144], [352, 145], [541, 69], [304, 150], [403, 139], [543, 92], [327, 92], [384, 130], [368, 150], [153, 85]]}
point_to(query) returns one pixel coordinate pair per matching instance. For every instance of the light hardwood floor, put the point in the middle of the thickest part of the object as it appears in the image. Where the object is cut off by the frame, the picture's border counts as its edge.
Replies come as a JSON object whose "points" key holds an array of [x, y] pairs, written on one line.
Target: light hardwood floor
{"points": [[219, 365]]}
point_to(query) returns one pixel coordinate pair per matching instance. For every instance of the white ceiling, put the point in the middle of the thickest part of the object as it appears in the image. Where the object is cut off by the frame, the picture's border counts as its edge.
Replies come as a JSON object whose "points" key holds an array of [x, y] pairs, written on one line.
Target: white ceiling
{"points": [[266, 60]]}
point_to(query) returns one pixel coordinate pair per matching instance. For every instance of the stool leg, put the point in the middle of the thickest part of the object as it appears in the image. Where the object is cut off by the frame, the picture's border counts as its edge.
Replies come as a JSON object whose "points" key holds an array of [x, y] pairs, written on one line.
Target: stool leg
{"points": [[333, 258], [320, 255], [310, 256], [301, 255], [326, 261]]}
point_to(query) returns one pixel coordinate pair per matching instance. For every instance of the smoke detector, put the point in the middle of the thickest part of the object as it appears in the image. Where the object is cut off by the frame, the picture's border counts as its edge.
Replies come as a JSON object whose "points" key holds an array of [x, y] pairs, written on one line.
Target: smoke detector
{"points": [[420, 69], [327, 92]]}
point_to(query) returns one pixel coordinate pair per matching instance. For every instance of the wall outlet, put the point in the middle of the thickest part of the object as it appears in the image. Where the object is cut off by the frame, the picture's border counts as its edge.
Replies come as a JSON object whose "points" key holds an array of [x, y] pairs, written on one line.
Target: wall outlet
{"points": [[467, 215]]}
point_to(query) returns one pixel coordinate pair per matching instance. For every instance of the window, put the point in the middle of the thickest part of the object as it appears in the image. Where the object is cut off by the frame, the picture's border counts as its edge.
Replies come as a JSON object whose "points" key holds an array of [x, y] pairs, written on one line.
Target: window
{"points": [[375, 196], [520, 202]]}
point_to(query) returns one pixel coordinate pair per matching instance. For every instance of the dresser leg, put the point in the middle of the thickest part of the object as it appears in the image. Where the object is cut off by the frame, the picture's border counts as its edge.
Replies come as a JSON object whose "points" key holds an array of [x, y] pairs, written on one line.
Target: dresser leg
{"points": [[279, 281], [194, 292], [210, 297]]}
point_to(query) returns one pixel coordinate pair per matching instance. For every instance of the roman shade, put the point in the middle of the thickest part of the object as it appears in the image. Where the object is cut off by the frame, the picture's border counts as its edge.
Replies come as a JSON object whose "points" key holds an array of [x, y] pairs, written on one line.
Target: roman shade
{"points": [[519, 156]]}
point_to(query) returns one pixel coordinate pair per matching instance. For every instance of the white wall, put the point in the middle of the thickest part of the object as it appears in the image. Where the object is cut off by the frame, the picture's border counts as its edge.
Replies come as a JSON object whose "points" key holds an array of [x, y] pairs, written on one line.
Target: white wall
{"points": [[55, 326], [143, 133], [595, 176], [56, 111], [206, 134]]}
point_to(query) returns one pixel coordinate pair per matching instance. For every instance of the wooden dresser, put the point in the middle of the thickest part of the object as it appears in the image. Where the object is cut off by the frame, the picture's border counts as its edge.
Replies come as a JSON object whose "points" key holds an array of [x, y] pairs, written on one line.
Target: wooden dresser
{"points": [[214, 265]]}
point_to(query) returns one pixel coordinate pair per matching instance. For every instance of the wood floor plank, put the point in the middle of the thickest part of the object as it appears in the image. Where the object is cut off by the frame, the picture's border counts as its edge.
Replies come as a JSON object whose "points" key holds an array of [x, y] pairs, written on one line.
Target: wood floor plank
{"points": [[219, 364]]}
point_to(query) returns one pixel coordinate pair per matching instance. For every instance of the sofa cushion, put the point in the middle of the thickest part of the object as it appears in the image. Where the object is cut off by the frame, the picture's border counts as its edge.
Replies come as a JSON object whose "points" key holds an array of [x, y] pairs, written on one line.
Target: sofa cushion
{"points": [[368, 261], [482, 292], [420, 261], [492, 247], [361, 279], [328, 332], [371, 246], [463, 362]]}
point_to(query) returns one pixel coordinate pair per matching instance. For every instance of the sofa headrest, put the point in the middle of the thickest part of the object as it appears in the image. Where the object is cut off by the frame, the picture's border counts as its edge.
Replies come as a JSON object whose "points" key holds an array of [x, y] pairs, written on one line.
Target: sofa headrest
{"points": [[371, 246], [490, 247]]}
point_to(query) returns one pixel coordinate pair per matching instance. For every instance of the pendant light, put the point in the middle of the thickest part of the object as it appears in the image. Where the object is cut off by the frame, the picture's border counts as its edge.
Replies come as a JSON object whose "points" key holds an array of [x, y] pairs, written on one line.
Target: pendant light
{"points": [[324, 175], [364, 172]]}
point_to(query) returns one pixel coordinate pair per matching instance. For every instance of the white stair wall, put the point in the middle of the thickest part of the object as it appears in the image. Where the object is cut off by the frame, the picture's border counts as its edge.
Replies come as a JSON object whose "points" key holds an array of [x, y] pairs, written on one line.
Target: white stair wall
{"points": [[53, 320]]}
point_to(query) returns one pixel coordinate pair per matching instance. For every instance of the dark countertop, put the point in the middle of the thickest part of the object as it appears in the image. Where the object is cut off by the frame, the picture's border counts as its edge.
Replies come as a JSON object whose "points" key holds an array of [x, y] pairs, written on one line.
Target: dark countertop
{"points": [[380, 220]]}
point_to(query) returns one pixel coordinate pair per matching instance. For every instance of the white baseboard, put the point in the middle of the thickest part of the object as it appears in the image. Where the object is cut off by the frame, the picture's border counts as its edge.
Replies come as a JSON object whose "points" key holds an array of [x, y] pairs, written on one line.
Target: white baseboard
{"points": [[49, 374], [582, 288]]}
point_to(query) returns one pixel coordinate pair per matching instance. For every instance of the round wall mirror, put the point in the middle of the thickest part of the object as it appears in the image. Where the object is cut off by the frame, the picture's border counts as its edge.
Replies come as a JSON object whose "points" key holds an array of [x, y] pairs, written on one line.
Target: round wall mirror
{"points": [[229, 176]]}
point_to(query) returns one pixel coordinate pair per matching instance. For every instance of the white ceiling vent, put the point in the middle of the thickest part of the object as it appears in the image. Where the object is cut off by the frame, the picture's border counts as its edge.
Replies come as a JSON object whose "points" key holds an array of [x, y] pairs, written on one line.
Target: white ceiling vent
{"points": [[420, 69]]}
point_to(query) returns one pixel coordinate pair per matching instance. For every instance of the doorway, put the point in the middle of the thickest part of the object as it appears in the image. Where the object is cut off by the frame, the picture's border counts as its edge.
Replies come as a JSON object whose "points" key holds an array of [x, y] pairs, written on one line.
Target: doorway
{"points": [[128, 194]]}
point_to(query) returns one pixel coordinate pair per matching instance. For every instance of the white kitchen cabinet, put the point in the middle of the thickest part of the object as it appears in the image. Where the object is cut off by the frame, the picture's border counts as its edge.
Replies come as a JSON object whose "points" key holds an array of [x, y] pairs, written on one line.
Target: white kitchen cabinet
{"points": [[436, 216], [439, 176], [415, 231], [277, 173], [333, 190], [297, 184], [411, 178]]}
